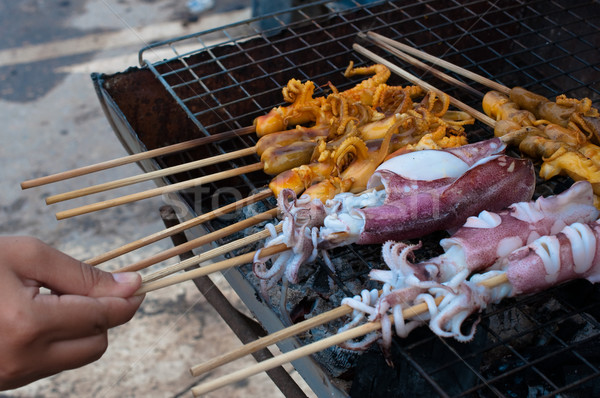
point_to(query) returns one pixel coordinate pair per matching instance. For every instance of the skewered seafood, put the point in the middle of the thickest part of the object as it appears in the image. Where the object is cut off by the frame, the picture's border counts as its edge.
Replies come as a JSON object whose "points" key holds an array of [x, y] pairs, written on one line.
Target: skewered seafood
{"points": [[573, 253], [511, 238], [503, 232], [417, 200], [560, 143], [484, 241], [304, 108], [420, 199], [347, 162], [566, 112]]}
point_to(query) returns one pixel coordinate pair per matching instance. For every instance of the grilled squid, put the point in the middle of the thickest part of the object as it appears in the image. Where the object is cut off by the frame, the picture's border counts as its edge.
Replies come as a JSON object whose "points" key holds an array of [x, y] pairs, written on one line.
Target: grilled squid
{"points": [[483, 241], [559, 133], [304, 108], [422, 199], [573, 253], [489, 241], [507, 230], [563, 111], [417, 199]]}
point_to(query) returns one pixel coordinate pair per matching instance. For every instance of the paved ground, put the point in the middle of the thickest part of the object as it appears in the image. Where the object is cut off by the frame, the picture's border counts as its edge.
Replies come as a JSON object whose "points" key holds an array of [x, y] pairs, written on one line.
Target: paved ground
{"points": [[52, 121]]}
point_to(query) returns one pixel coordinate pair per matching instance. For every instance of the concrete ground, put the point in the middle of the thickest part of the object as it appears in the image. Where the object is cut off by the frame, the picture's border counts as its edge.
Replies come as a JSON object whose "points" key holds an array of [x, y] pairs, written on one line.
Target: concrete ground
{"points": [[51, 122]]}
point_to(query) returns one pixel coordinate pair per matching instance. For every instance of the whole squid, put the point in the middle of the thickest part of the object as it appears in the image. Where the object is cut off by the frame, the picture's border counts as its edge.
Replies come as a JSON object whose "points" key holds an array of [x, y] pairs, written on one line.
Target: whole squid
{"points": [[484, 241], [427, 191], [431, 190], [572, 253]]}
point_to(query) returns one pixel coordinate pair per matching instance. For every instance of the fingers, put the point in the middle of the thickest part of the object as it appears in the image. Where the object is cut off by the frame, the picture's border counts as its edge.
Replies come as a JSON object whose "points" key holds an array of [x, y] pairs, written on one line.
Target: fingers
{"points": [[71, 354], [42, 334], [70, 317], [55, 270], [58, 333], [43, 360]]}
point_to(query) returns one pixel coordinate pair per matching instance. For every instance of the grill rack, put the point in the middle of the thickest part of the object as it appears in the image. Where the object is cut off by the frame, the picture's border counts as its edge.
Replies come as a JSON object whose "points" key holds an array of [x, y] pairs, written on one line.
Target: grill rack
{"points": [[223, 78]]}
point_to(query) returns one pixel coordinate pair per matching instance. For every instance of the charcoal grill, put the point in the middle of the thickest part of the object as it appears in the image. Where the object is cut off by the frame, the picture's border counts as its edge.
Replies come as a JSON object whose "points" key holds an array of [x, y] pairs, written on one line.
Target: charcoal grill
{"points": [[218, 80]]}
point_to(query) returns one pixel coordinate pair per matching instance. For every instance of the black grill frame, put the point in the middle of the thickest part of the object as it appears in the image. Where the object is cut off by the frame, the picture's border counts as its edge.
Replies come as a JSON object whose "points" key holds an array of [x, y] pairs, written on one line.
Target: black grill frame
{"points": [[225, 77]]}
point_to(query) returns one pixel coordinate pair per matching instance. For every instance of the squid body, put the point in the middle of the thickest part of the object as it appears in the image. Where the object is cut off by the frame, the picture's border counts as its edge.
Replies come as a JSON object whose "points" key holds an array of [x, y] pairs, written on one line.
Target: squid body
{"points": [[427, 191], [529, 240], [424, 191]]}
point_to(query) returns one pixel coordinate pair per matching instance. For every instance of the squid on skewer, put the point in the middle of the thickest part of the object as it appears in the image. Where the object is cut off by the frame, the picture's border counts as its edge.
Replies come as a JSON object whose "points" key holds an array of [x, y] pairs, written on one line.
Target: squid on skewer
{"points": [[286, 149], [573, 253], [421, 199], [489, 241], [417, 200], [304, 108], [572, 113], [330, 160], [563, 148], [483, 241]]}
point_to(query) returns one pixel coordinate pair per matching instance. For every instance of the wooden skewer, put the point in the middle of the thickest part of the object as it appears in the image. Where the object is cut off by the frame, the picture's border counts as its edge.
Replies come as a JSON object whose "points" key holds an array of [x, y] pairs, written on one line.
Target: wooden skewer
{"points": [[413, 61], [136, 157], [440, 62], [296, 329], [158, 191], [210, 254], [202, 240], [218, 251], [413, 79], [322, 344], [271, 339], [209, 269], [149, 176], [302, 352], [180, 227]]}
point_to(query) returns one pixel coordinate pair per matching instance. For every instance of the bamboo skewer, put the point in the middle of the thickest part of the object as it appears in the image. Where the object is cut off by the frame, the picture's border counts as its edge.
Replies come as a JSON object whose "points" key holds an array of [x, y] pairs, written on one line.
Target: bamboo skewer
{"points": [[149, 176], [413, 61], [320, 345], [210, 254], [136, 157], [302, 352], [404, 74], [213, 252], [158, 191], [209, 269], [202, 240], [440, 62], [271, 339], [179, 227]]}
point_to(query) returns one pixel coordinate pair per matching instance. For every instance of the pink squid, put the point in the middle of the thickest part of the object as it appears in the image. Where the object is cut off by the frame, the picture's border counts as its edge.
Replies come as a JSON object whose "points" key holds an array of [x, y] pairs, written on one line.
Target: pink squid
{"points": [[425, 191], [573, 253], [431, 190], [484, 241]]}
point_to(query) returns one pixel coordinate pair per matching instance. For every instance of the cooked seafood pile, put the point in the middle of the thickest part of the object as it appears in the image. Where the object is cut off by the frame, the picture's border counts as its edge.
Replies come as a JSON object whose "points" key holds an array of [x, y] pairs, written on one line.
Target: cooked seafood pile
{"points": [[336, 142], [386, 169]]}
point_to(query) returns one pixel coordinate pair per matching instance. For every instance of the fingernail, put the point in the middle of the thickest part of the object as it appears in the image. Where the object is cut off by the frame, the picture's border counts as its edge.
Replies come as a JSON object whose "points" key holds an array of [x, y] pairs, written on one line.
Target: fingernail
{"points": [[125, 277]]}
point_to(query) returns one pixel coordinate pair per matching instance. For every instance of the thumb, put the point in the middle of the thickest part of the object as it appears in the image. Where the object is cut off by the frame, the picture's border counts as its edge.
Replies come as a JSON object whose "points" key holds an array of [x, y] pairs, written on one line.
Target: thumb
{"points": [[85, 280], [63, 274], [120, 284]]}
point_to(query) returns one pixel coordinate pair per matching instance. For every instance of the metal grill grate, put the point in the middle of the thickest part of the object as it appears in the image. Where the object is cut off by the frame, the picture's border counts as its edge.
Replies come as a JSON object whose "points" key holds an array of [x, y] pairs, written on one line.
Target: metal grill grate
{"points": [[541, 345]]}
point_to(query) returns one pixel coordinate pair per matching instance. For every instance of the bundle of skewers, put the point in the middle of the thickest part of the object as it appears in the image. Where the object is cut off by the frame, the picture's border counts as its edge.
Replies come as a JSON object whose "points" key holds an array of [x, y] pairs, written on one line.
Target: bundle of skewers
{"points": [[388, 165]]}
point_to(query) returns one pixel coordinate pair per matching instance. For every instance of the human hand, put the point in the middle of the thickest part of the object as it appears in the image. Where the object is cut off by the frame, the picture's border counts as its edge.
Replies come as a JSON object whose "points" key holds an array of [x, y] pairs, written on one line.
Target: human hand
{"points": [[43, 334]]}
